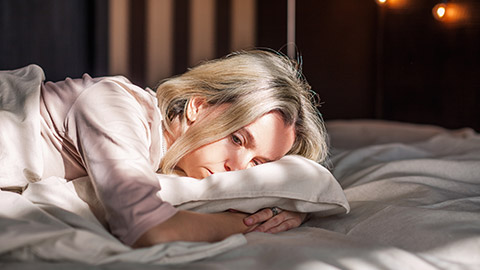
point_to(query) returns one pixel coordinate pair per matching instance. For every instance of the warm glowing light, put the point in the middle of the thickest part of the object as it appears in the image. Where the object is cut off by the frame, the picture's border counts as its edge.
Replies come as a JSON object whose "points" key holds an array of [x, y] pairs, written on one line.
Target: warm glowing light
{"points": [[452, 13], [439, 11], [395, 4]]}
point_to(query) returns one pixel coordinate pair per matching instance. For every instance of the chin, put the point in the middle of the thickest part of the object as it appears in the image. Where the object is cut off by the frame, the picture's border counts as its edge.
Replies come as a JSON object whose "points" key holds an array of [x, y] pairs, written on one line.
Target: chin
{"points": [[203, 173]]}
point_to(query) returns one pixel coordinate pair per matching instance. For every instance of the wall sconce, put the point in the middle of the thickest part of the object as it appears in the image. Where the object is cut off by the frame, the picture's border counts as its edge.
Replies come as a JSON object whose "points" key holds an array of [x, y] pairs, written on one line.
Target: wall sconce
{"points": [[439, 11], [450, 12]]}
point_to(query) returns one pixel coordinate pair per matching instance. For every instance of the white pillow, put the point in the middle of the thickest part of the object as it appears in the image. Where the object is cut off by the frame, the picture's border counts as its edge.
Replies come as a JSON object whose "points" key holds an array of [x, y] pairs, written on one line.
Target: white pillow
{"points": [[292, 183]]}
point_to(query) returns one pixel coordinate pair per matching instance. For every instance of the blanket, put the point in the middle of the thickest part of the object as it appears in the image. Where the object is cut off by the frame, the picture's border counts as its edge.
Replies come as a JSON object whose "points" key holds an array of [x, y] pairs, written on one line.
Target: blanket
{"points": [[50, 222], [413, 194]]}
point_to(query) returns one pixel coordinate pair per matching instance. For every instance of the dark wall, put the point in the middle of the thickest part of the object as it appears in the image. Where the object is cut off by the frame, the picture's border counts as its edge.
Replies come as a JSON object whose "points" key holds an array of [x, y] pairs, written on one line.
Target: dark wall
{"points": [[364, 61], [66, 38], [336, 41], [431, 69], [401, 64]]}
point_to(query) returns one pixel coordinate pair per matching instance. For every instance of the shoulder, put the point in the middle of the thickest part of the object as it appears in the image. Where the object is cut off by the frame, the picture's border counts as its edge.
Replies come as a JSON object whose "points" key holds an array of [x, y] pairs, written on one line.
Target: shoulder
{"points": [[122, 86], [72, 92], [116, 96]]}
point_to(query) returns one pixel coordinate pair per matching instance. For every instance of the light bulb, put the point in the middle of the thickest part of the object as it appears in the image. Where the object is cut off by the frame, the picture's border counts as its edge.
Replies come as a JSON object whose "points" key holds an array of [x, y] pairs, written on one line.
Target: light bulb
{"points": [[381, 2], [439, 11]]}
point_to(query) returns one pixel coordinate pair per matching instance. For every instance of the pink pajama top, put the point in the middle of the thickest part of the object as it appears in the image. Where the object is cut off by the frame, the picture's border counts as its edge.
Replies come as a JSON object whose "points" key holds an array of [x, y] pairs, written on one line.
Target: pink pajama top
{"points": [[109, 129]]}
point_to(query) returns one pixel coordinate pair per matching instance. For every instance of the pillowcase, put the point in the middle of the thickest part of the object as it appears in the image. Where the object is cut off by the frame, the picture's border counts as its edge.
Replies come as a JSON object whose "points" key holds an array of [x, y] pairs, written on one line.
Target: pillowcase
{"points": [[292, 183]]}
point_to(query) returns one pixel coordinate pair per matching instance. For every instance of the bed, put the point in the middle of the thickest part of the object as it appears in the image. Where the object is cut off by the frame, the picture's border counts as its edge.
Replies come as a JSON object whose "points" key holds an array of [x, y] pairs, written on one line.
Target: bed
{"points": [[399, 196]]}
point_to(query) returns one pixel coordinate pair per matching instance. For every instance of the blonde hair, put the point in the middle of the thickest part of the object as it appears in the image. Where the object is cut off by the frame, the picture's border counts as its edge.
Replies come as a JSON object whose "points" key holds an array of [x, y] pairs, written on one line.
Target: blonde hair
{"points": [[253, 83]]}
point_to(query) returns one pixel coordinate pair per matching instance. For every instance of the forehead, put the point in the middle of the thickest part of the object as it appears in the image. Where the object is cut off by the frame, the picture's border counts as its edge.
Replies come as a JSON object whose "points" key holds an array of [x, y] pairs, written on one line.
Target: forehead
{"points": [[272, 139]]}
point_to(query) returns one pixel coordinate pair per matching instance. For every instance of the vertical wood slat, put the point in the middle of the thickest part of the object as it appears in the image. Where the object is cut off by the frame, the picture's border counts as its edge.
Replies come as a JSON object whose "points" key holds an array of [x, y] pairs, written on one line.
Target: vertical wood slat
{"points": [[137, 41], [202, 31], [159, 55], [243, 26], [181, 35], [98, 11], [223, 26], [118, 63], [271, 25], [291, 25]]}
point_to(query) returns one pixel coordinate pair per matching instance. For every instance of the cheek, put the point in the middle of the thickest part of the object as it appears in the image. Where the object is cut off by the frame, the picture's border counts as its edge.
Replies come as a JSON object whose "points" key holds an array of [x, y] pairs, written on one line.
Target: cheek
{"points": [[216, 150], [211, 153], [193, 158]]}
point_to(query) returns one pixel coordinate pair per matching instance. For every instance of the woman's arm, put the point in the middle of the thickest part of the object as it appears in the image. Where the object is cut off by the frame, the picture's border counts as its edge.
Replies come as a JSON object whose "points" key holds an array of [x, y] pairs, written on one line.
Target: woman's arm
{"points": [[112, 128], [198, 227], [192, 226]]}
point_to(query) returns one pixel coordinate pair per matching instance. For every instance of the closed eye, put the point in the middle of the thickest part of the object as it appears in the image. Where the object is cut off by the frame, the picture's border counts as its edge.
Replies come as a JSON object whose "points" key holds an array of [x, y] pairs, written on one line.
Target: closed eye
{"points": [[255, 162]]}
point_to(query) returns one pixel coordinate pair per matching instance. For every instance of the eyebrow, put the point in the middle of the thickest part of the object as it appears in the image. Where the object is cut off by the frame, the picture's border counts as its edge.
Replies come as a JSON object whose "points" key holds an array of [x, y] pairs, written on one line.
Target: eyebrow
{"points": [[252, 142], [250, 139]]}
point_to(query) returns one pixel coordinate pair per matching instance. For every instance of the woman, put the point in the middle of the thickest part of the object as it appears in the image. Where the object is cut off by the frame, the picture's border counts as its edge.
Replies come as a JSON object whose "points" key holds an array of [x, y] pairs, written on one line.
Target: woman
{"points": [[228, 114]]}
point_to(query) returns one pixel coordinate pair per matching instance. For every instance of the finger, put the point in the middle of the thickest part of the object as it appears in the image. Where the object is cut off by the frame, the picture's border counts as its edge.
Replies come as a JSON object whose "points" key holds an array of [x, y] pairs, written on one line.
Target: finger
{"points": [[252, 228], [285, 226], [275, 224], [272, 222], [258, 217]]}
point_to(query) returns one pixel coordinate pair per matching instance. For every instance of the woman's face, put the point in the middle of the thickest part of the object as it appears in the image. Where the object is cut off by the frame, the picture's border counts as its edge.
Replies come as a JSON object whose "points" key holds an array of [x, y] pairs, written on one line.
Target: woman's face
{"points": [[264, 140]]}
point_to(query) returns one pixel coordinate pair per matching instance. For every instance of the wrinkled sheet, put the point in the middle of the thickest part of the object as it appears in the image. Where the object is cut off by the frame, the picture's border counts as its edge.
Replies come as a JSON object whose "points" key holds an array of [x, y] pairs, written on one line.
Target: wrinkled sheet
{"points": [[414, 193], [50, 222]]}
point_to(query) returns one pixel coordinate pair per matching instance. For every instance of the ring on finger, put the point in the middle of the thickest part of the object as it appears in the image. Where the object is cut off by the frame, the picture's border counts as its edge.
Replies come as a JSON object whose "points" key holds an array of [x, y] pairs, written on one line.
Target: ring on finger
{"points": [[275, 210]]}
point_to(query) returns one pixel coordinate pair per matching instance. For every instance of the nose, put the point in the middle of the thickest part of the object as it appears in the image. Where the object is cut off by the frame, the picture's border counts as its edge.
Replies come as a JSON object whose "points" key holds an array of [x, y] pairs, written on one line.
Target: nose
{"points": [[237, 162]]}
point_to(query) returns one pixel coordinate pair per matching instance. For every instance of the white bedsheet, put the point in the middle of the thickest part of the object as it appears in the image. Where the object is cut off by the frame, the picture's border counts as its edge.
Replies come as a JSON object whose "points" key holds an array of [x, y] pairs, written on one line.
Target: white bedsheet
{"points": [[414, 193]]}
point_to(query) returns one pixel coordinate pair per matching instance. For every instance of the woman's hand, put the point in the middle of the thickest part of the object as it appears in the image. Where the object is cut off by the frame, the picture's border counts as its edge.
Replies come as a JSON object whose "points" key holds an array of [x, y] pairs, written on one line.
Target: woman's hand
{"points": [[267, 222]]}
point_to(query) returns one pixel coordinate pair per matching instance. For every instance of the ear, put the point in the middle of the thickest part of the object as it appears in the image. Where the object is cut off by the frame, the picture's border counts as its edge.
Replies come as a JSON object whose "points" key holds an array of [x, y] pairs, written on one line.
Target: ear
{"points": [[195, 107]]}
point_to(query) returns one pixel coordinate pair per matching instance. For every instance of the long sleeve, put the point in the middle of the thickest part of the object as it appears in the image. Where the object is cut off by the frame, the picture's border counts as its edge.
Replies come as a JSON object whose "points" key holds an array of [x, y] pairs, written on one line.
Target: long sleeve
{"points": [[111, 127]]}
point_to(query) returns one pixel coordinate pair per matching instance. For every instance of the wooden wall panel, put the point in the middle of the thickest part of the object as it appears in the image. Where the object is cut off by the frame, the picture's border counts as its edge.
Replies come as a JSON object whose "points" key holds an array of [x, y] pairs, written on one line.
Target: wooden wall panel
{"points": [[365, 61], [272, 24], [181, 35], [337, 42], [431, 68], [66, 38], [137, 41]]}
